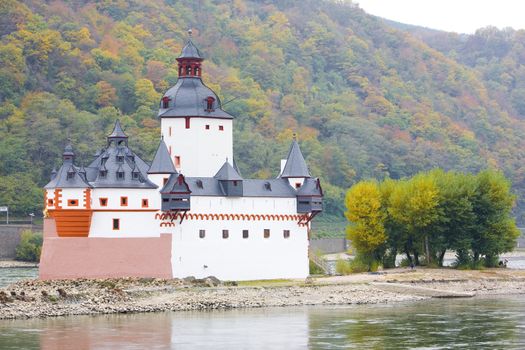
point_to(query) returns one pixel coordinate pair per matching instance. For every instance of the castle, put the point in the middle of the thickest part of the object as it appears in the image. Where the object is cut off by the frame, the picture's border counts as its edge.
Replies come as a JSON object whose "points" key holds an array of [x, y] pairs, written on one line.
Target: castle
{"points": [[189, 212]]}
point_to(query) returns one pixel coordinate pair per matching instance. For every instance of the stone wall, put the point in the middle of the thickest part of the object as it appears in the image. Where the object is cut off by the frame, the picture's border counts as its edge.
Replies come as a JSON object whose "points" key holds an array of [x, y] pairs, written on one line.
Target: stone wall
{"points": [[10, 237], [329, 245]]}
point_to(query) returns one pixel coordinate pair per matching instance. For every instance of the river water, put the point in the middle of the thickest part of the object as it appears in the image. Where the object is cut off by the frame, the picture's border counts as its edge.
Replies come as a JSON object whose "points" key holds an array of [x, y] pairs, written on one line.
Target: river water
{"points": [[477, 323]]}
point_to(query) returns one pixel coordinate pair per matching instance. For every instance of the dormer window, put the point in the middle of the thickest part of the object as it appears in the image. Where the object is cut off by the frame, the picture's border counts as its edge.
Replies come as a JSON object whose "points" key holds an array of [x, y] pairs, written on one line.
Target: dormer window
{"points": [[120, 175], [70, 175], [120, 159], [102, 174], [234, 182], [209, 103], [135, 175], [165, 102]]}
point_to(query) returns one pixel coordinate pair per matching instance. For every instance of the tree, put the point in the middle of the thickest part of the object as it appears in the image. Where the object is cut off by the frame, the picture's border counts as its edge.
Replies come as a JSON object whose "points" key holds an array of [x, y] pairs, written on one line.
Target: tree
{"points": [[414, 204], [367, 217]]}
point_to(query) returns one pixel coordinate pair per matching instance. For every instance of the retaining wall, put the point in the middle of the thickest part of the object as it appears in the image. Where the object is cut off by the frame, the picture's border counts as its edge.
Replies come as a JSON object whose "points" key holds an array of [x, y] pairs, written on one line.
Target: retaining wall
{"points": [[10, 237]]}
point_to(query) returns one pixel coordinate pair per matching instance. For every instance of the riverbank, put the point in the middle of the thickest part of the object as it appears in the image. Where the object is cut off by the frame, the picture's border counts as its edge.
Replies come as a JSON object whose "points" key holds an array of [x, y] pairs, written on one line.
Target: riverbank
{"points": [[34, 298], [8, 264]]}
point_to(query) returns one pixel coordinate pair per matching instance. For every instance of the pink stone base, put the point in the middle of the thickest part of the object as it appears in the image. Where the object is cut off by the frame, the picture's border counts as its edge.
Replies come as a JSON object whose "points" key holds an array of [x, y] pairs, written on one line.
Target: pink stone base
{"points": [[84, 257]]}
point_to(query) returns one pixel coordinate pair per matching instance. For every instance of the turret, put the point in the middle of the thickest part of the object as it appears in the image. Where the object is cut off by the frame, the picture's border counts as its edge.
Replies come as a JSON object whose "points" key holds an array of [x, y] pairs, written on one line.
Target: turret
{"points": [[162, 166], [229, 180], [175, 194], [295, 169]]}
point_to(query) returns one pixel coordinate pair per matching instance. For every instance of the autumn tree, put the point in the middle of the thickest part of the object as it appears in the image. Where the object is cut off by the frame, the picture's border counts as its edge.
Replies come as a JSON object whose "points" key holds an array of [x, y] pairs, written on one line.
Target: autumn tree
{"points": [[367, 217]]}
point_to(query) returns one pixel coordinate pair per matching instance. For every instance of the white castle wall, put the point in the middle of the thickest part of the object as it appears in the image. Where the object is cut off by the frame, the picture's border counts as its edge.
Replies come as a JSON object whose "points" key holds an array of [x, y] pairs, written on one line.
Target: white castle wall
{"points": [[238, 258], [76, 194], [202, 151], [135, 221]]}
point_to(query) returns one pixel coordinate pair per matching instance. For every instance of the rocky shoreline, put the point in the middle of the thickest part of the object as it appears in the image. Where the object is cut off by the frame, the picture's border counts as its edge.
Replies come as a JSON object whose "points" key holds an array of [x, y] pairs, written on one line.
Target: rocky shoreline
{"points": [[40, 299]]}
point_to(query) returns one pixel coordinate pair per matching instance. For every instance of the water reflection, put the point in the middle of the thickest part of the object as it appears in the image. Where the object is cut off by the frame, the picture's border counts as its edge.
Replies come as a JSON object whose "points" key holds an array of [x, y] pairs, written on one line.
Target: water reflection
{"points": [[438, 324]]}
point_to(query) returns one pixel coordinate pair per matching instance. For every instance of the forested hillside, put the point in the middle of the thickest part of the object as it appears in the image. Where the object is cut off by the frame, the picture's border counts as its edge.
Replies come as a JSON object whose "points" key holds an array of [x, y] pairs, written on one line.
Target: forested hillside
{"points": [[367, 100]]}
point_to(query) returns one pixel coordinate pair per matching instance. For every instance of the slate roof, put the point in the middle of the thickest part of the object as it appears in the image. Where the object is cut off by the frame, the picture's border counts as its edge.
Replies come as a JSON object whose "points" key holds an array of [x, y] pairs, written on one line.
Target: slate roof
{"points": [[128, 164], [68, 175], [190, 51], [227, 172], [310, 187], [162, 163], [117, 131], [295, 165], [173, 185], [209, 186], [188, 99]]}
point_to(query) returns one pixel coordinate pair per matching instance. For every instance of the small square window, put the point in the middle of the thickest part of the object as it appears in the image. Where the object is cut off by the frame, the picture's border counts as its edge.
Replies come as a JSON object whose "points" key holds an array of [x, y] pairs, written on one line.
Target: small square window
{"points": [[120, 175], [207, 126], [116, 224], [297, 184], [49, 202], [221, 128], [202, 233], [103, 202], [245, 234], [145, 203], [266, 233], [72, 202], [124, 201], [225, 234], [286, 233]]}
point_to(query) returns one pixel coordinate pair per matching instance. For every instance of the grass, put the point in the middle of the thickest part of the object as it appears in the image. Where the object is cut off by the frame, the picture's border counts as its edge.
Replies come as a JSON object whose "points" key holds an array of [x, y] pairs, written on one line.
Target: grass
{"points": [[265, 283]]}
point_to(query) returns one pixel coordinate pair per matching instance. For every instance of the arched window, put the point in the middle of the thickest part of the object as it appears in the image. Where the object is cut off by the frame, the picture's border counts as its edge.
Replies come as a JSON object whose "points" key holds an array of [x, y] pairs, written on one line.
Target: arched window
{"points": [[188, 70], [196, 71]]}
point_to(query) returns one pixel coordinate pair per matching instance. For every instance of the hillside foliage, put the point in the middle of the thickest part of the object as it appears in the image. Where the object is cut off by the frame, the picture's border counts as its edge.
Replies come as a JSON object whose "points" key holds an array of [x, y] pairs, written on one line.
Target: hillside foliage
{"points": [[366, 99]]}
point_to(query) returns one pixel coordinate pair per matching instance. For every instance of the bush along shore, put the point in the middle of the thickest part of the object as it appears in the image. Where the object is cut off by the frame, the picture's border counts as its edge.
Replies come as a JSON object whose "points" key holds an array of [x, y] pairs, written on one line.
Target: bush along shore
{"points": [[35, 298]]}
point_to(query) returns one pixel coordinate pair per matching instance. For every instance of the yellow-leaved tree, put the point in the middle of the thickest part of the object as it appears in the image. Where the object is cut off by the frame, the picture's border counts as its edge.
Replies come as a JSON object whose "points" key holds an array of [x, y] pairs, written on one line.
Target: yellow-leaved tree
{"points": [[414, 203], [367, 217]]}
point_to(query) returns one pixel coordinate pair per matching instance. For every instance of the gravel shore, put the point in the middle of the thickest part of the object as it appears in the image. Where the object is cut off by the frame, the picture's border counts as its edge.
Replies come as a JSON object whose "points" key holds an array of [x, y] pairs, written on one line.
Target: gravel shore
{"points": [[34, 298]]}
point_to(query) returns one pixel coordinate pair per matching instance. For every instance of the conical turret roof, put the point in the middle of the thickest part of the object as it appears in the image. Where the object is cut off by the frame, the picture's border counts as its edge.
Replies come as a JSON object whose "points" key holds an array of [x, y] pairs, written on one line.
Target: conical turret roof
{"points": [[117, 131], [228, 173], [162, 163], [295, 164], [190, 51]]}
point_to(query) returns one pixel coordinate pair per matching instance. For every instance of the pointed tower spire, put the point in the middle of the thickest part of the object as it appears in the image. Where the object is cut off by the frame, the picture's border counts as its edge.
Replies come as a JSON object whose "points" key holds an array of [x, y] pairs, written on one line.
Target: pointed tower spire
{"points": [[68, 155], [190, 60], [117, 135], [295, 166], [162, 163]]}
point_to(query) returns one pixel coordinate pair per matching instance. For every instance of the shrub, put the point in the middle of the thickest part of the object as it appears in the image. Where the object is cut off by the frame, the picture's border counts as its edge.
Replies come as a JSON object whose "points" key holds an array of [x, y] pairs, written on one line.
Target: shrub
{"points": [[29, 247], [315, 269], [343, 267]]}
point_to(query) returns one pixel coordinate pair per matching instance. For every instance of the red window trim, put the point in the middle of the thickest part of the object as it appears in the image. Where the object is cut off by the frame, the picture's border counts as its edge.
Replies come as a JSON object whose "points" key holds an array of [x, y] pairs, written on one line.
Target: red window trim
{"points": [[101, 202], [187, 122], [50, 202], [113, 224], [123, 201], [207, 127], [71, 204], [221, 128], [145, 203]]}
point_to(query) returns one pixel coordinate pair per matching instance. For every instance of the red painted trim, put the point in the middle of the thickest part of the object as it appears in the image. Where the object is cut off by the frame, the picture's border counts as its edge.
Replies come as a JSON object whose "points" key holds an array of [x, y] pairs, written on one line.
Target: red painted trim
{"points": [[113, 224], [188, 119], [123, 201], [145, 203], [72, 202]]}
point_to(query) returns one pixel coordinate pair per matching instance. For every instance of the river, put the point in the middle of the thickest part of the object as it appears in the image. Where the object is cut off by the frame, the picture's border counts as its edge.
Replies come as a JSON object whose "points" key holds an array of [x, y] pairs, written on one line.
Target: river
{"points": [[478, 323]]}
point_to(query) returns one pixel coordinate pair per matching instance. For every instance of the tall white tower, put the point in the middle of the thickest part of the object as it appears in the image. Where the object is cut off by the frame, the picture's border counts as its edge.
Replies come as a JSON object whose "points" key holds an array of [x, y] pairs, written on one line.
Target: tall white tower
{"points": [[197, 132]]}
